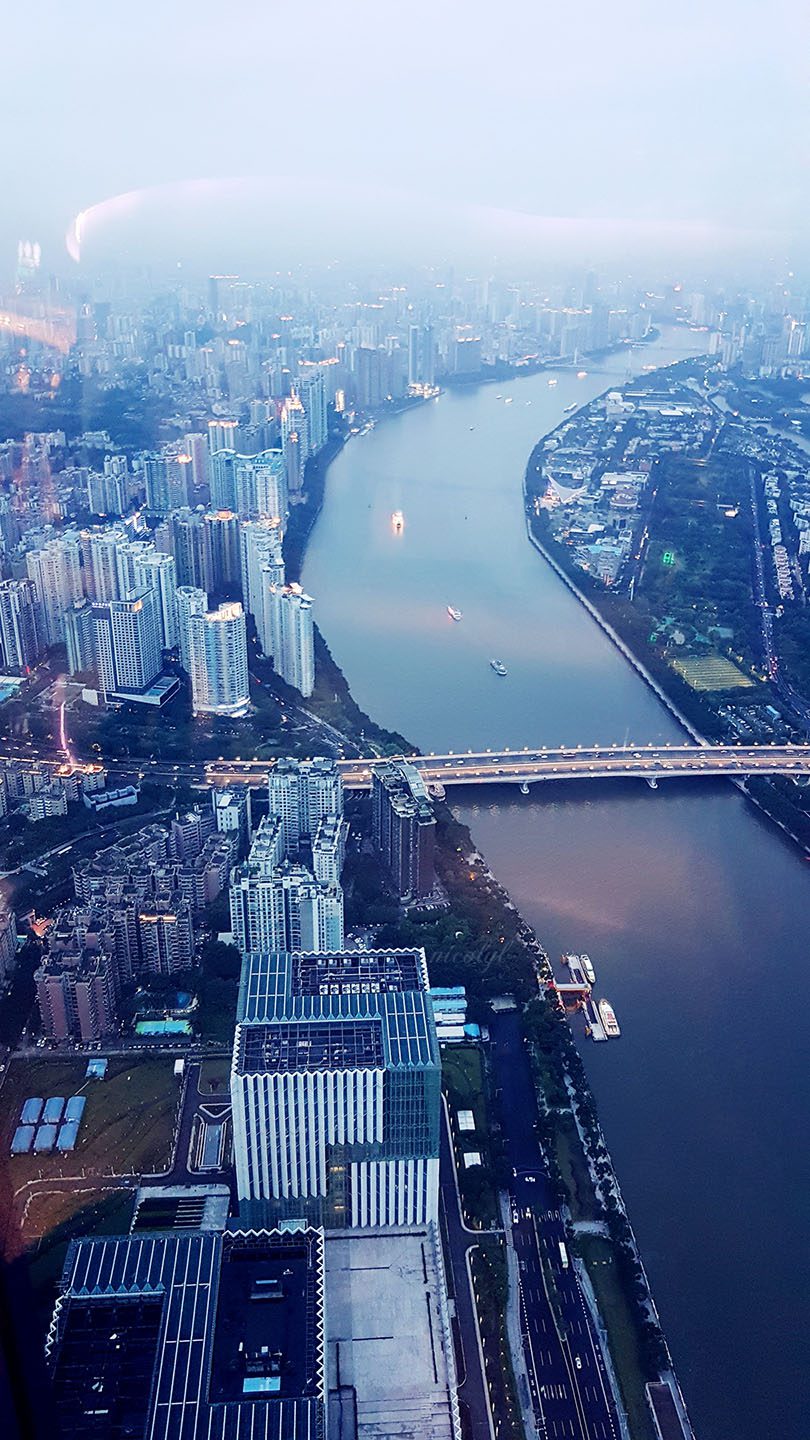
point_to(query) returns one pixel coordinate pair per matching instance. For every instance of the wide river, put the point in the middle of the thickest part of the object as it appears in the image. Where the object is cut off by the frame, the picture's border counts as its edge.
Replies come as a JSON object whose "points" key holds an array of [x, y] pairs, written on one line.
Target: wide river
{"points": [[693, 909]]}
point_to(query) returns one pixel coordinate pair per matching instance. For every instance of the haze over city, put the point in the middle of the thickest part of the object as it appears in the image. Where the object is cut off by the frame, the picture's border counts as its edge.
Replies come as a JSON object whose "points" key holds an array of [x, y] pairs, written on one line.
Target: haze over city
{"points": [[628, 128]]}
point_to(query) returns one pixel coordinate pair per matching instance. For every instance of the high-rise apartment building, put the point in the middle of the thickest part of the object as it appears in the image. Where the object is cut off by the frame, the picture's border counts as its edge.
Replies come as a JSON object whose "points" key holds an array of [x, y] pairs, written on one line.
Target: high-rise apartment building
{"points": [[286, 907], [292, 635], [309, 387], [20, 642], [189, 601], [335, 1088], [260, 485], [56, 573], [155, 571], [218, 662], [302, 793], [129, 636], [222, 542], [403, 828], [80, 638]]}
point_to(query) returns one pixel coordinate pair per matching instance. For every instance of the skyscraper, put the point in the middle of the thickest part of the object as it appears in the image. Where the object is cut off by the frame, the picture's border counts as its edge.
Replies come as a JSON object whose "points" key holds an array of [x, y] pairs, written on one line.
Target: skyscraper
{"points": [[335, 1088], [20, 642], [218, 663], [260, 485], [80, 637], [309, 387], [222, 549]]}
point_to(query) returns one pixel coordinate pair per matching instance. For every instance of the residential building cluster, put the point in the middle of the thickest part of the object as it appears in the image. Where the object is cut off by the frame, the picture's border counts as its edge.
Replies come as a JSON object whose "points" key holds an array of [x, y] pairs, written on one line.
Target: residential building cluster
{"points": [[42, 792], [135, 915]]}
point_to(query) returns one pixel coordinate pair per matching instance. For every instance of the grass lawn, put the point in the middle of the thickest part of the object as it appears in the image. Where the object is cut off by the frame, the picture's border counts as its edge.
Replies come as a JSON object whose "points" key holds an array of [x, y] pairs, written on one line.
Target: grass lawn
{"points": [[127, 1125], [465, 1084], [574, 1170], [598, 1256]]}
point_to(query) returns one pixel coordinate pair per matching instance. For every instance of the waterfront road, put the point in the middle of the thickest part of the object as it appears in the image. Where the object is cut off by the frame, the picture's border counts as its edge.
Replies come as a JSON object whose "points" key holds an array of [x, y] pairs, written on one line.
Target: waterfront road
{"points": [[570, 1390]]}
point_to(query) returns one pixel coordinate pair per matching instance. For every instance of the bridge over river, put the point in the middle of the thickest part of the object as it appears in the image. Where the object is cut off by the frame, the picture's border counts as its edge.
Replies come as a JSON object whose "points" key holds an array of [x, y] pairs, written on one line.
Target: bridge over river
{"points": [[529, 767]]}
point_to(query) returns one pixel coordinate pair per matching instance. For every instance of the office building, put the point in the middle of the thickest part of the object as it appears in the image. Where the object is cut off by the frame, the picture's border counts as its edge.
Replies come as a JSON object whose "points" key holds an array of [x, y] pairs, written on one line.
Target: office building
{"points": [[191, 1332], [21, 645], [403, 829], [129, 637], [292, 635], [302, 793], [218, 662], [335, 1088]]}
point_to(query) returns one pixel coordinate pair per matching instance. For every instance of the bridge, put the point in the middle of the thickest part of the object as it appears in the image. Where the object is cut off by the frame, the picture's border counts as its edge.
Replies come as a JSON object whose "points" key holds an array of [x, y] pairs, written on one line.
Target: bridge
{"points": [[529, 767]]}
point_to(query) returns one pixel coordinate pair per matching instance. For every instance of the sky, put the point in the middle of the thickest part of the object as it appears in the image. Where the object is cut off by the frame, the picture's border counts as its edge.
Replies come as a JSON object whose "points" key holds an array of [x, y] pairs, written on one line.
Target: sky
{"points": [[690, 118]]}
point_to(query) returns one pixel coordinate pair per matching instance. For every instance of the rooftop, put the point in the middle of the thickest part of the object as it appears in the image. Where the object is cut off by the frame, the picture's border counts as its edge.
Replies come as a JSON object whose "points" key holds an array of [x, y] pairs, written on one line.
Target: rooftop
{"points": [[178, 1334], [389, 1332], [341, 1045]]}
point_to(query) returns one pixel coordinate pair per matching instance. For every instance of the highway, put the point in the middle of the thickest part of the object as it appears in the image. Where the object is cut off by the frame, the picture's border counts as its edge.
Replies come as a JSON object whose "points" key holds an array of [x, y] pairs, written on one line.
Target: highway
{"points": [[571, 1393]]}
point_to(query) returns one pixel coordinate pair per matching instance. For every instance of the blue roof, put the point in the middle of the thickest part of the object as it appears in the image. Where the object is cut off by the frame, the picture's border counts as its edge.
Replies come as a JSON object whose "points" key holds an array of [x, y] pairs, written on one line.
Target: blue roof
{"points": [[23, 1140], [96, 1069], [45, 1139], [31, 1110], [67, 1135], [52, 1113], [75, 1107]]}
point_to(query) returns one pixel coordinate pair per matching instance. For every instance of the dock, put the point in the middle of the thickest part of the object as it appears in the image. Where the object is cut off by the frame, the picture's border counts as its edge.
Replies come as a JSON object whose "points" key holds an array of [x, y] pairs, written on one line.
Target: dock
{"points": [[597, 1028]]}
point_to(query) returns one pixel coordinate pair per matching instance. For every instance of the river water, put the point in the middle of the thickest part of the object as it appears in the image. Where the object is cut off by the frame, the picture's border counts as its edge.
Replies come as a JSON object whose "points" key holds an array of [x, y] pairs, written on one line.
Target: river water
{"points": [[693, 909]]}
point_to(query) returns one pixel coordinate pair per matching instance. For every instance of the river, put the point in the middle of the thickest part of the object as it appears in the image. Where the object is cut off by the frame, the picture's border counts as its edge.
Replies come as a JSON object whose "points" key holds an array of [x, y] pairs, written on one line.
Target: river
{"points": [[693, 908]]}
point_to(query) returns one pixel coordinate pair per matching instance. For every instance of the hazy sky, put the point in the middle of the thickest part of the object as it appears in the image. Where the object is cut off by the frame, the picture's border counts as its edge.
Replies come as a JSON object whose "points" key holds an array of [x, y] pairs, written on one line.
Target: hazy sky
{"points": [[692, 111]]}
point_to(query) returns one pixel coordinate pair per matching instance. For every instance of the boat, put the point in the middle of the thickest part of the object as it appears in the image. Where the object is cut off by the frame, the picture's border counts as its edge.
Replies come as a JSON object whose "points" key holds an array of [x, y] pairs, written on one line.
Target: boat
{"points": [[524, 789], [582, 374], [398, 520], [508, 400], [589, 972], [453, 612], [552, 381], [499, 667], [569, 408], [609, 1022]]}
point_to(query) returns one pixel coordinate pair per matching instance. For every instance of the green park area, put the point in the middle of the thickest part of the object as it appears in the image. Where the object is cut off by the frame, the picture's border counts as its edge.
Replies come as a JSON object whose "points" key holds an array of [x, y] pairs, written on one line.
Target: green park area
{"points": [[126, 1130], [465, 1086]]}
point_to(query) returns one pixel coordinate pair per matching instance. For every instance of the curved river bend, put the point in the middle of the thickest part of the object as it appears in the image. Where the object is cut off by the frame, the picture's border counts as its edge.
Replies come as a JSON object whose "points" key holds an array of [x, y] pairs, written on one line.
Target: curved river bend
{"points": [[693, 908]]}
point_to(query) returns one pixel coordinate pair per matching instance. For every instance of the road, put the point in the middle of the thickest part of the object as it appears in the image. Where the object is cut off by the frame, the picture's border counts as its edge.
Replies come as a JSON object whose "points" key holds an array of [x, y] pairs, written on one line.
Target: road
{"points": [[570, 1390]]}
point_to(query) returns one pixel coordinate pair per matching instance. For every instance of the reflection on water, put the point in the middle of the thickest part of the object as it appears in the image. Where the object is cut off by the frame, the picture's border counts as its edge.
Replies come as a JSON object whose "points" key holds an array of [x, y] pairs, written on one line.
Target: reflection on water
{"points": [[691, 907]]}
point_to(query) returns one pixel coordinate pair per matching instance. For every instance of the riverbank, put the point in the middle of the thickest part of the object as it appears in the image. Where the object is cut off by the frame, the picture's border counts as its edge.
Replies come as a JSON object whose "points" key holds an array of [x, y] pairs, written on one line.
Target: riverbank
{"points": [[614, 615]]}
